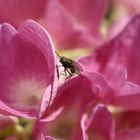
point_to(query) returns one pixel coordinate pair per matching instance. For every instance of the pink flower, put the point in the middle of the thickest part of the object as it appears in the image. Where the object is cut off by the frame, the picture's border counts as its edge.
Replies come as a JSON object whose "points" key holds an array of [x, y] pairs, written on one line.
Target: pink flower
{"points": [[100, 125], [73, 102], [74, 99], [69, 26], [17, 11], [118, 61], [75, 27], [113, 77], [27, 70]]}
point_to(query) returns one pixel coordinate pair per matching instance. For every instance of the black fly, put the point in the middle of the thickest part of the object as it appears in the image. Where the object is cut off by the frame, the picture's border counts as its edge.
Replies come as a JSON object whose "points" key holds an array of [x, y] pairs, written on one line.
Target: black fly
{"points": [[70, 66]]}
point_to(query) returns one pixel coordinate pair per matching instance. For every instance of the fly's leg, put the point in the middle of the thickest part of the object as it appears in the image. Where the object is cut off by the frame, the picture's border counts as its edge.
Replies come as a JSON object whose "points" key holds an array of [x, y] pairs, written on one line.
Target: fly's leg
{"points": [[57, 70], [65, 72], [70, 74], [58, 66]]}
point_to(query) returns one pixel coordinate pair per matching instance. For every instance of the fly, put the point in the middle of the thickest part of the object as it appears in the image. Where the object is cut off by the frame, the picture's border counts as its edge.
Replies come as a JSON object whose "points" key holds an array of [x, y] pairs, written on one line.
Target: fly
{"points": [[70, 66]]}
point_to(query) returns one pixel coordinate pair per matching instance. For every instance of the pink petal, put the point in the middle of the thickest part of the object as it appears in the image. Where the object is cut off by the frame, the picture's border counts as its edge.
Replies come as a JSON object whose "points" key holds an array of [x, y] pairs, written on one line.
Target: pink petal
{"points": [[49, 138], [81, 25], [125, 49], [104, 92], [128, 6], [107, 61], [65, 126], [118, 26], [128, 97], [74, 98], [128, 126], [25, 70], [118, 61], [118, 55], [101, 125], [73, 93], [130, 41], [15, 11], [37, 135], [84, 121], [86, 14]]}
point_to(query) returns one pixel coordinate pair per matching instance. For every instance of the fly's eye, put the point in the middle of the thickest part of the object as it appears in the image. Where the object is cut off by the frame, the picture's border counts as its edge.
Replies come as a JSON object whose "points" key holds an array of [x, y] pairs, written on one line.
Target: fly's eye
{"points": [[62, 59]]}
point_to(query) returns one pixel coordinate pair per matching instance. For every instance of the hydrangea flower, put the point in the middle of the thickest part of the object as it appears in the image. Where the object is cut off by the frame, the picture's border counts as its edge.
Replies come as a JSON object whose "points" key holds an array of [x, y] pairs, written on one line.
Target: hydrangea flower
{"points": [[69, 26], [112, 72], [118, 61], [113, 79], [78, 109]]}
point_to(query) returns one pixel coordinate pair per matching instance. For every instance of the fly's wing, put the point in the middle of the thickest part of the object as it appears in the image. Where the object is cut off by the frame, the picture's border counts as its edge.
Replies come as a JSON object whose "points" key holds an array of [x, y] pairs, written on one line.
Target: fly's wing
{"points": [[78, 68]]}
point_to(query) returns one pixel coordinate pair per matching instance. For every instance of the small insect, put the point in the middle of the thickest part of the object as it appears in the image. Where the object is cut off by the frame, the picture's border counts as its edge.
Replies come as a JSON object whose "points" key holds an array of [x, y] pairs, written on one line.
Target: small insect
{"points": [[70, 66]]}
